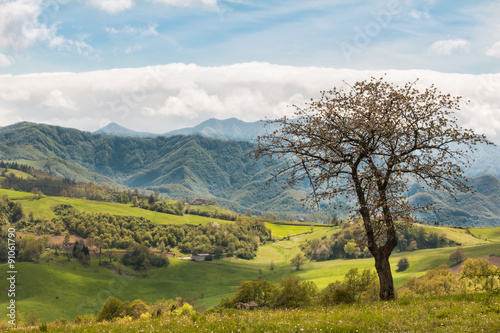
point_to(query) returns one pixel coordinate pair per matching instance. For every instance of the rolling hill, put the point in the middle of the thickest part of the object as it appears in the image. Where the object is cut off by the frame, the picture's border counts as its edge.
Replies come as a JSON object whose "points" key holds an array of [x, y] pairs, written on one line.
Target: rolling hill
{"points": [[195, 165], [177, 166]]}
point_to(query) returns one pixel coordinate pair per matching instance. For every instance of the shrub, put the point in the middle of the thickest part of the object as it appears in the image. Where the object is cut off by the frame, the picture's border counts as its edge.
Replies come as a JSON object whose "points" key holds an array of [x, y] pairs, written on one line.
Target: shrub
{"points": [[292, 293], [403, 264], [112, 308], [355, 286], [137, 308], [185, 310], [85, 319], [335, 293], [437, 281]]}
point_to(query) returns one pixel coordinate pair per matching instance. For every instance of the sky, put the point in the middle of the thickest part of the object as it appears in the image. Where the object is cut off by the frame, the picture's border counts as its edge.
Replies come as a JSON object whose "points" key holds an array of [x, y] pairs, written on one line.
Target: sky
{"points": [[159, 65]]}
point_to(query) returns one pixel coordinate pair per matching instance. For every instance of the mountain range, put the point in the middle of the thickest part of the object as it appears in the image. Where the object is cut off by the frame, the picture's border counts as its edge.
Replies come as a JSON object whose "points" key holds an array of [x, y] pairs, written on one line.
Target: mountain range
{"points": [[227, 129], [177, 166], [194, 165]]}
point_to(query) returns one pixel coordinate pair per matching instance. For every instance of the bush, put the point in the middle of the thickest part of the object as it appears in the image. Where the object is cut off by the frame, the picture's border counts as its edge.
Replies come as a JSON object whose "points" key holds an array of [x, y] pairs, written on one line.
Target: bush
{"points": [[137, 308], [403, 264], [112, 308], [436, 282], [355, 286], [335, 293], [292, 293], [185, 310], [85, 319]]}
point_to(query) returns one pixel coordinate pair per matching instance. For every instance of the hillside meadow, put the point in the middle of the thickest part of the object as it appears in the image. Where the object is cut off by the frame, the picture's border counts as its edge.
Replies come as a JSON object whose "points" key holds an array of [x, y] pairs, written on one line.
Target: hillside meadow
{"points": [[70, 289], [469, 313], [64, 289]]}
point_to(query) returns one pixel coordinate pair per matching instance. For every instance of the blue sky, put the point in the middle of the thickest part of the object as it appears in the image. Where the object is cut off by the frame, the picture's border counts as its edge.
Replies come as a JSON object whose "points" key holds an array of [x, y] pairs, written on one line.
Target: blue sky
{"points": [[157, 65], [449, 36]]}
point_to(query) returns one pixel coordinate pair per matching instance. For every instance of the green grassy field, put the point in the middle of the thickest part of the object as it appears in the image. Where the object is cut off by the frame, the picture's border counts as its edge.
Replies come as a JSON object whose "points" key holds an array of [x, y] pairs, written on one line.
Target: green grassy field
{"points": [[14, 194], [460, 235], [62, 289], [65, 289], [282, 230], [492, 234], [42, 208], [17, 173]]}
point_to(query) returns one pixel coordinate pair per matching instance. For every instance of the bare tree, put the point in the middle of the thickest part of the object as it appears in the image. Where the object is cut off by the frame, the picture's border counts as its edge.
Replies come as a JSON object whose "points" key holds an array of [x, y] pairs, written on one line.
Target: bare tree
{"points": [[364, 143]]}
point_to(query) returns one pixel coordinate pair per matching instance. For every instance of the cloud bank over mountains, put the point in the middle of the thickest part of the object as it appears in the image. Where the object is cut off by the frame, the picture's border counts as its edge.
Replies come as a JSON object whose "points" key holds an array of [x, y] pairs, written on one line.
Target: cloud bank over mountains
{"points": [[162, 98]]}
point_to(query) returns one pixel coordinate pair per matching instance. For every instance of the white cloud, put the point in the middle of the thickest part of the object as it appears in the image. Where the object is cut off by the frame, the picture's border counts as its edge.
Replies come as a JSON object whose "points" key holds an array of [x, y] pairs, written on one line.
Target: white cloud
{"points": [[56, 99], [15, 95], [185, 3], [494, 50], [111, 6], [162, 98], [449, 46], [19, 26], [5, 60]]}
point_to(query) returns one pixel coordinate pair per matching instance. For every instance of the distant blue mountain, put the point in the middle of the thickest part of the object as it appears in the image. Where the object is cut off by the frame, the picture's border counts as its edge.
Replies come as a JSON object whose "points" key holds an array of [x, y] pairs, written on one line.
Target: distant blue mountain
{"points": [[227, 129], [115, 129]]}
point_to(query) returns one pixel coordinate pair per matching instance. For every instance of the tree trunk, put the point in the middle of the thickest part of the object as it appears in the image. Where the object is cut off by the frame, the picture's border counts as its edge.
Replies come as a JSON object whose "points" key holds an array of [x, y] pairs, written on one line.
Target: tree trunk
{"points": [[384, 275]]}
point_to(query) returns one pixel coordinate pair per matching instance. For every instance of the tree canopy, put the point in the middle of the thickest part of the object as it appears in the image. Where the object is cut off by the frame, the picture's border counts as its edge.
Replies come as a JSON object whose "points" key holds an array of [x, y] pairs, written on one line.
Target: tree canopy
{"points": [[365, 142]]}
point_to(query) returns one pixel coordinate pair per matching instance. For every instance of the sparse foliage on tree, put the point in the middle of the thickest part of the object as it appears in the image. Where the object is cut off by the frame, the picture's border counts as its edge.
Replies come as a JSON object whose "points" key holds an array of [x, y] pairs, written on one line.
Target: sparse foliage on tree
{"points": [[365, 142]]}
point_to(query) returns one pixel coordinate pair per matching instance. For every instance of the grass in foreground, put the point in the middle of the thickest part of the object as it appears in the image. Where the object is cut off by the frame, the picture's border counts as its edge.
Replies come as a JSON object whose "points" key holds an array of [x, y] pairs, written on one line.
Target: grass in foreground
{"points": [[463, 313]]}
